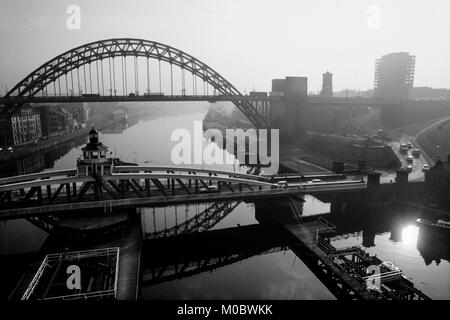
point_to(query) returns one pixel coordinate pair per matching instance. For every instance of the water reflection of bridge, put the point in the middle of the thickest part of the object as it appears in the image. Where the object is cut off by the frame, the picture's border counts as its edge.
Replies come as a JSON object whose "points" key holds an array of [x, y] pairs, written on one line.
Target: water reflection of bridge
{"points": [[201, 221], [180, 256]]}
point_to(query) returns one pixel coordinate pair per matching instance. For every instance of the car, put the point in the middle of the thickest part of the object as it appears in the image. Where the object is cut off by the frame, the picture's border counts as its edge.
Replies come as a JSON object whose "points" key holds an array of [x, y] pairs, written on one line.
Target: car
{"points": [[390, 265], [316, 180], [426, 167], [208, 189], [403, 148], [409, 159], [409, 168], [409, 145], [282, 184]]}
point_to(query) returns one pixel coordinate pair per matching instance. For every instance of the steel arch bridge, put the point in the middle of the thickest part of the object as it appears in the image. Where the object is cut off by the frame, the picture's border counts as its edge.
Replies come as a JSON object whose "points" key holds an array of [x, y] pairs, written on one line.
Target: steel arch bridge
{"points": [[60, 70]]}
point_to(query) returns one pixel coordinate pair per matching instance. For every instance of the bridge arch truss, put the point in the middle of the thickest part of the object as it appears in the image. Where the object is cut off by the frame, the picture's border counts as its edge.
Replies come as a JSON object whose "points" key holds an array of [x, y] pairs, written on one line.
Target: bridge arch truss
{"points": [[59, 72]]}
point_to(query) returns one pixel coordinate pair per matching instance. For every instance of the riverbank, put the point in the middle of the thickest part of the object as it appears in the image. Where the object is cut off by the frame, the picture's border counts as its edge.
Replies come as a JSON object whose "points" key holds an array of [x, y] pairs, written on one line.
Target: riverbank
{"points": [[313, 152], [50, 144], [434, 140]]}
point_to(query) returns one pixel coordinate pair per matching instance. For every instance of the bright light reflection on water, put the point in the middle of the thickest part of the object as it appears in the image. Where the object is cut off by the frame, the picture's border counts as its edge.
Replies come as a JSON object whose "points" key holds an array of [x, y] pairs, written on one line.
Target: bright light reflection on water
{"points": [[423, 257], [410, 234]]}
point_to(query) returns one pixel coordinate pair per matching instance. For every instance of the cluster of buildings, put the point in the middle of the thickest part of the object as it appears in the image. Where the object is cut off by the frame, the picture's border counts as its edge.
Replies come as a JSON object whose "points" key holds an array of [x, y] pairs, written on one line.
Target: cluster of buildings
{"points": [[32, 123], [394, 79]]}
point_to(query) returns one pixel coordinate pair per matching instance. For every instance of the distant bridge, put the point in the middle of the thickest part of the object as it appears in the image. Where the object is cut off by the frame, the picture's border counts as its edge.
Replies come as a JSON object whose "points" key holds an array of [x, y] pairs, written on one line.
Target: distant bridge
{"points": [[137, 70], [349, 102], [91, 72], [312, 100], [137, 98]]}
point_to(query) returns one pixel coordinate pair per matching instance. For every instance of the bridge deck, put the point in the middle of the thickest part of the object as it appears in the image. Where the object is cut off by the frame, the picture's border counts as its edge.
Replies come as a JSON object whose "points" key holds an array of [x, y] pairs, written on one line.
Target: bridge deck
{"points": [[312, 100], [61, 205], [133, 98], [105, 201]]}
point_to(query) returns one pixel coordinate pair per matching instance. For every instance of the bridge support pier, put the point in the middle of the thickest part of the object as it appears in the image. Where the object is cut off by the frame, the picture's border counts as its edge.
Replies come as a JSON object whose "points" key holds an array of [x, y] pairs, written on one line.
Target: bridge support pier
{"points": [[278, 210], [342, 204], [401, 180], [373, 189], [362, 165], [289, 113], [338, 207], [338, 167]]}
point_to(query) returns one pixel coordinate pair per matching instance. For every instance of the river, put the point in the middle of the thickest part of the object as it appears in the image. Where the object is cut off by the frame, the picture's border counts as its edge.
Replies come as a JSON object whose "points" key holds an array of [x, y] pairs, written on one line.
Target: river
{"points": [[274, 275]]}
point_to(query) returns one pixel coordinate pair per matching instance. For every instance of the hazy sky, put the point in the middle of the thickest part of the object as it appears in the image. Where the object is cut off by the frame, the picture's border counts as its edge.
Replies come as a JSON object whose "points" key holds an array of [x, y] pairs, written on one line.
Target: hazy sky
{"points": [[248, 41]]}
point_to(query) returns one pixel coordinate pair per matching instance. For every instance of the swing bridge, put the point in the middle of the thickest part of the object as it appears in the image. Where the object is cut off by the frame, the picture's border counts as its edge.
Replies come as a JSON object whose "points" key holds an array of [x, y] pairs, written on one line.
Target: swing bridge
{"points": [[65, 191]]}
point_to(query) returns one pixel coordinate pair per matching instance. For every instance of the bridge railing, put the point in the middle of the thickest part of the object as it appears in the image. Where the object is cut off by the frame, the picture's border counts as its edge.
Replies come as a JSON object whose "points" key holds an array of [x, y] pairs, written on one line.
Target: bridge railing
{"points": [[186, 176], [189, 170], [35, 176]]}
